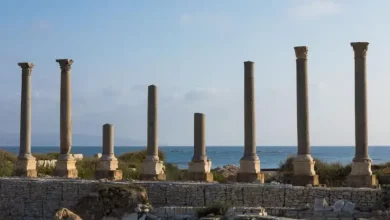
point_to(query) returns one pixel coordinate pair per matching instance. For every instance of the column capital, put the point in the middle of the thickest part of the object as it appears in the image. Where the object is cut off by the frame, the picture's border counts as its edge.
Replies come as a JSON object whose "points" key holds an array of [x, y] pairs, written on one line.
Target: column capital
{"points": [[301, 52], [26, 65], [65, 64], [360, 48]]}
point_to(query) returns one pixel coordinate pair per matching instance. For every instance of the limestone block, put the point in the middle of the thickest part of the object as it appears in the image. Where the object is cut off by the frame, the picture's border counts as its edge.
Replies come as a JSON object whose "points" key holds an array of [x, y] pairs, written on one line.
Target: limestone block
{"points": [[200, 167], [361, 168], [26, 167], [78, 156], [153, 167], [249, 166], [66, 168], [362, 180], [107, 165], [304, 165]]}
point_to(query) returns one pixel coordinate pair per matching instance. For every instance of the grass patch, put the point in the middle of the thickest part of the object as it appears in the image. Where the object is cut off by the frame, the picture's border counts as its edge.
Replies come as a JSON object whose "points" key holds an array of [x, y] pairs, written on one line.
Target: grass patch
{"points": [[47, 156], [7, 161]]}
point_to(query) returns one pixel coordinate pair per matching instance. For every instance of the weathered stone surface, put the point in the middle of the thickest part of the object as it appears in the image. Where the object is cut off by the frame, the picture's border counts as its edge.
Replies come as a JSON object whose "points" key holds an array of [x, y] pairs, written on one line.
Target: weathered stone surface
{"points": [[66, 214]]}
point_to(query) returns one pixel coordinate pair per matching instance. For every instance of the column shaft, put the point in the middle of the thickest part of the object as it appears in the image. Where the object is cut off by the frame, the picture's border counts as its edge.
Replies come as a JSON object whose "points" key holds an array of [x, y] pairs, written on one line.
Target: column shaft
{"points": [[302, 102], [108, 139], [152, 148], [199, 138], [249, 112], [65, 107], [361, 148], [25, 111]]}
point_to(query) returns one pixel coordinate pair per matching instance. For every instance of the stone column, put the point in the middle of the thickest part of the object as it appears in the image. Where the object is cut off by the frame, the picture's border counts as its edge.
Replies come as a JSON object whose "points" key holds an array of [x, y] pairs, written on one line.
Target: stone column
{"points": [[303, 164], [361, 174], [200, 166], [26, 163], [66, 164], [152, 168], [249, 163], [108, 163]]}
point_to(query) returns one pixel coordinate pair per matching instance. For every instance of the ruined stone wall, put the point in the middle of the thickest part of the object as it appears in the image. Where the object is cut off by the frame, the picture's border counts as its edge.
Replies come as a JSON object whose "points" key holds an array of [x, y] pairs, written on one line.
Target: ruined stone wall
{"points": [[22, 198]]}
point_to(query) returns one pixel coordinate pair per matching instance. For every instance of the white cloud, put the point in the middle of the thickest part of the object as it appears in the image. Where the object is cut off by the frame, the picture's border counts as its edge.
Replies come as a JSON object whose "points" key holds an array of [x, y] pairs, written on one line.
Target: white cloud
{"points": [[314, 8]]}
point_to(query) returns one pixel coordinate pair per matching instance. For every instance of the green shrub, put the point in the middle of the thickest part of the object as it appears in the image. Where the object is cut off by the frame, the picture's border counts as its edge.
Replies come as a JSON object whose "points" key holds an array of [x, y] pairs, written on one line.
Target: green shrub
{"points": [[218, 177], [86, 167], [7, 161], [138, 157], [47, 156], [173, 172]]}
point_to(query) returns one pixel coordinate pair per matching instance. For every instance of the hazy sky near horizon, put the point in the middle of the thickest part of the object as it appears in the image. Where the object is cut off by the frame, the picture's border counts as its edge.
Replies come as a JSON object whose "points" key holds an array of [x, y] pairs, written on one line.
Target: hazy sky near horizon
{"points": [[194, 52]]}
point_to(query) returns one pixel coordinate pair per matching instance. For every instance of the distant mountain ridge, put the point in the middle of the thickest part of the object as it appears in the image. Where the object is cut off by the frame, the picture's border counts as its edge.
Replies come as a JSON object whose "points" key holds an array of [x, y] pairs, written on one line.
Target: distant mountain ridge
{"points": [[46, 139]]}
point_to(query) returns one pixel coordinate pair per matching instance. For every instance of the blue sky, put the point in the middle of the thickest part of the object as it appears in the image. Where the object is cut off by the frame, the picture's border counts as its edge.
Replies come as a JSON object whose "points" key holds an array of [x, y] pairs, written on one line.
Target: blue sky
{"points": [[194, 52]]}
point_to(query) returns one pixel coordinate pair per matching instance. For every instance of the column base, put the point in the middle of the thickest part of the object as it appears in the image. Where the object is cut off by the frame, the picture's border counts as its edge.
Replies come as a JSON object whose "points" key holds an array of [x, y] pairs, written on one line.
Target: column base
{"points": [[199, 166], [153, 170], [249, 171], [201, 177], [109, 174], [361, 168], [362, 181], [304, 165], [66, 168], [303, 180], [107, 164], [26, 167], [153, 177], [250, 177]]}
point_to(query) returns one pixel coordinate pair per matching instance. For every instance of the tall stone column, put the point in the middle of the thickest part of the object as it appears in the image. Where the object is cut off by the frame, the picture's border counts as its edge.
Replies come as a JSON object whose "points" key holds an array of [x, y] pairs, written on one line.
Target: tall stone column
{"points": [[200, 166], [250, 162], [66, 164], [361, 174], [26, 163], [303, 164], [152, 167], [108, 163]]}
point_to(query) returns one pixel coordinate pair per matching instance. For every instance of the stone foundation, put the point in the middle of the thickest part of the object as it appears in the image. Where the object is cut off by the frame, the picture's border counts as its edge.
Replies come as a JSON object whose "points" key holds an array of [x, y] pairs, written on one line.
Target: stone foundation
{"points": [[250, 177], [362, 181], [304, 180], [66, 168], [109, 174], [153, 170], [25, 198], [201, 176], [26, 167]]}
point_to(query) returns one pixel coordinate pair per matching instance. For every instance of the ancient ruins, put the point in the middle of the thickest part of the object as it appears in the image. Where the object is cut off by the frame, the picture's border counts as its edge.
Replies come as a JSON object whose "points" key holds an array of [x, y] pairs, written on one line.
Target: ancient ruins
{"points": [[199, 168]]}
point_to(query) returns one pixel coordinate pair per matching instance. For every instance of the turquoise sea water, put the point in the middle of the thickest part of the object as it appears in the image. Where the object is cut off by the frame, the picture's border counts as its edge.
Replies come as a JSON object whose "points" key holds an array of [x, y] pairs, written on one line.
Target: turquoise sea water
{"points": [[270, 156]]}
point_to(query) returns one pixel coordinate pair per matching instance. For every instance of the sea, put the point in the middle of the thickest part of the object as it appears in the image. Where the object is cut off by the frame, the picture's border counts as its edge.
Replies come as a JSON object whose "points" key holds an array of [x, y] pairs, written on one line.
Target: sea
{"points": [[270, 156]]}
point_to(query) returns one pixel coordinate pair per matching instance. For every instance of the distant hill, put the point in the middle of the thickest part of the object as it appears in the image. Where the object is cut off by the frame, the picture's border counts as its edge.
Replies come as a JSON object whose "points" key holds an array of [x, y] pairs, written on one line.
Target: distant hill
{"points": [[12, 139]]}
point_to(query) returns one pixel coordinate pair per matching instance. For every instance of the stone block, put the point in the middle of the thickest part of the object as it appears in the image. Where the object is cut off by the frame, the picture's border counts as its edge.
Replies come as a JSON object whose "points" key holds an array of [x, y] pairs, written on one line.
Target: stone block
{"points": [[109, 164], [250, 177], [303, 180], [153, 170], [26, 167], [109, 174], [362, 181], [202, 177], [66, 168]]}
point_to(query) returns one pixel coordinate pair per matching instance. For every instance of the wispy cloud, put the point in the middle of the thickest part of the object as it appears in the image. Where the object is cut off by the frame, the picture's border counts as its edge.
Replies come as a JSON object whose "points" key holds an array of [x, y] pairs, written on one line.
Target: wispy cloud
{"points": [[314, 8]]}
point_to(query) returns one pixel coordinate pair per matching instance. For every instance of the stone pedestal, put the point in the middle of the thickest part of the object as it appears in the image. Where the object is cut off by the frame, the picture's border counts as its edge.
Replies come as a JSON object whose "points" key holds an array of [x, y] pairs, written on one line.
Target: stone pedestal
{"points": [[108, 169], [26, 167], [361, 175], [250, 171], [304, 171], [200, 171], [66, 168], [153, 170], [362, 181]]}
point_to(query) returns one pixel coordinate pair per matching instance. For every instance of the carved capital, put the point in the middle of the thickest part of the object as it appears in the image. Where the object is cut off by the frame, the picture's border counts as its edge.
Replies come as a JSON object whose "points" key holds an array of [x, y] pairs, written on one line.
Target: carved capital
{"points": [[301, 52], [26, 67], [65, 64], [360, 48]]}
